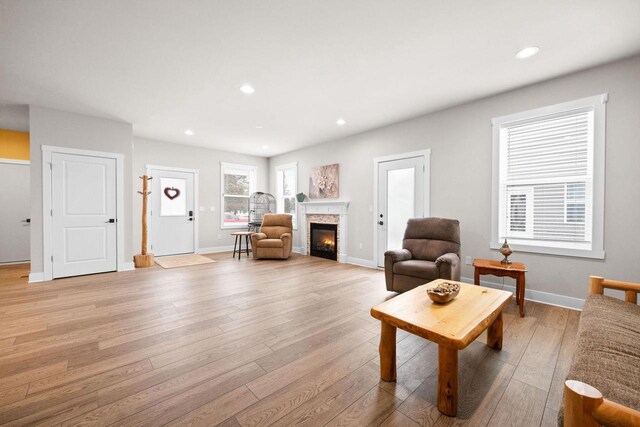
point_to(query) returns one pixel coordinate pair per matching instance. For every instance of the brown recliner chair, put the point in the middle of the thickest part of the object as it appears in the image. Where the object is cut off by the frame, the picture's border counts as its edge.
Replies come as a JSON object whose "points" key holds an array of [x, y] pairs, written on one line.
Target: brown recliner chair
{"points": [[274, 239], [430, 251]]}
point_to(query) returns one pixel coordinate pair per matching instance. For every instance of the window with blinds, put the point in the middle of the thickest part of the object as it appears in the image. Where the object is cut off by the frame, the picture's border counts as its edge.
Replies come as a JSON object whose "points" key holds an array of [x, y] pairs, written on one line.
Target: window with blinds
{"points": [[546, 178], [286, 189]]}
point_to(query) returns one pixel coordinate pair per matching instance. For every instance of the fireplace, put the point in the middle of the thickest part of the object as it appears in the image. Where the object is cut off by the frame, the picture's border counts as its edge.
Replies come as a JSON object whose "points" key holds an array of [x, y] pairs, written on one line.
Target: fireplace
{"points": [[324, 240]]}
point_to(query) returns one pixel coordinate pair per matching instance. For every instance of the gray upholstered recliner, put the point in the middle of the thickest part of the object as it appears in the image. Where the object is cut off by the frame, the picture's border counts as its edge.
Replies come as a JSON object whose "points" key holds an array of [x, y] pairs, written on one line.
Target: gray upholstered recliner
{"points": [[430, 250]]}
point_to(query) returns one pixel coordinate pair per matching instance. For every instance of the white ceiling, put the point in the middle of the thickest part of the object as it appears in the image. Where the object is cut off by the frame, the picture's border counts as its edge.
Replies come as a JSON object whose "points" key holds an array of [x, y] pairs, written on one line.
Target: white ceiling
{"points": [[166, 66]]}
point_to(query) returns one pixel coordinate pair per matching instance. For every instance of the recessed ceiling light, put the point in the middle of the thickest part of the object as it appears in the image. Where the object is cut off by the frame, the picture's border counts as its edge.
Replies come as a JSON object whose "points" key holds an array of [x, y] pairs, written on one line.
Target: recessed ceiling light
{"points": [[247, 89], [527, 52], [258, 127], [341, 122], [264, 147], [188, 132]]}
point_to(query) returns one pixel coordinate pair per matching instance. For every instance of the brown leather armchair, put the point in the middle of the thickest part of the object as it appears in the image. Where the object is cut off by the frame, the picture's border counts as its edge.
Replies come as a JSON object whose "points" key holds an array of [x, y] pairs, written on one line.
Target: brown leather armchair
{"points": [[430, 251], [274, 239]]}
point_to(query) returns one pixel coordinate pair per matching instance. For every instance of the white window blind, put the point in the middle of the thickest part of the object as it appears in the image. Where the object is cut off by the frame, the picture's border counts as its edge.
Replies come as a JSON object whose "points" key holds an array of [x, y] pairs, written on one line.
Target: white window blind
{"points": [[546, 178]]}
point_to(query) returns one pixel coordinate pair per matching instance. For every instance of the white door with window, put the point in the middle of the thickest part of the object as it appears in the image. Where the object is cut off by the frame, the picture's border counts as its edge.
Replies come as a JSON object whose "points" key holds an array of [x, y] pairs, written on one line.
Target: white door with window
{"points": [[14, 214], [172, 213], [83, 211], [401, 195]]}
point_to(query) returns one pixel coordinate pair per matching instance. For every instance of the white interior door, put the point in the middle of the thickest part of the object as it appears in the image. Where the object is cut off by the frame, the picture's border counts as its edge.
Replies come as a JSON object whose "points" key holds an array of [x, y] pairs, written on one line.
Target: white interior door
{"points": [[172, 214], [83, 201], [14, 212], [401, 196]]}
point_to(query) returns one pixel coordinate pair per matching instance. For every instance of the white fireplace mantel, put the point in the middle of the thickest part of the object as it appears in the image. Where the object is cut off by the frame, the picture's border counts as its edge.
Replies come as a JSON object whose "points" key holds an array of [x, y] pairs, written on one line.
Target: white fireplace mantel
{"points": [[328, 207]]}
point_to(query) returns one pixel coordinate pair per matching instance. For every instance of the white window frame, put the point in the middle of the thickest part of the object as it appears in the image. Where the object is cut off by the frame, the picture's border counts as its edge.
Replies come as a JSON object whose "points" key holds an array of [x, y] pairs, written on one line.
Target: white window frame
{"points": [[598, 104], [253, 184], [280, 197]]}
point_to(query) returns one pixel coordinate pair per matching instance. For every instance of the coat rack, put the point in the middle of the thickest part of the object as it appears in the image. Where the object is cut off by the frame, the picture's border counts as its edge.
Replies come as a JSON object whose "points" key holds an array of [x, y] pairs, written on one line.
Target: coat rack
{"points": [[144, 259]]}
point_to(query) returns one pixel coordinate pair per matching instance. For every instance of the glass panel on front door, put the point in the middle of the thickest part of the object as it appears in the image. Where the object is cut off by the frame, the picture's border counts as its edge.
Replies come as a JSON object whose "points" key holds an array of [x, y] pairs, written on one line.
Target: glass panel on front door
{"points": [[173, 200], [400, 204]]}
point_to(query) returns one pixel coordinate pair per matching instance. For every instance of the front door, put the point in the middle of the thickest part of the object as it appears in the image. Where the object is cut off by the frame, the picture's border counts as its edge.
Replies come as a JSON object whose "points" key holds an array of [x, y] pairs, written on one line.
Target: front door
{"points": [[83, 201], [14, 212], [401, 196], [172, 212]]}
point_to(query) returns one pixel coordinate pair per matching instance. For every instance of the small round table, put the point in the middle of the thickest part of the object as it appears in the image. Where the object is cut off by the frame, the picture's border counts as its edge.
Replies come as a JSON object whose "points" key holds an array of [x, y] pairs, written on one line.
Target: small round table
{"points": [[238, 242]]}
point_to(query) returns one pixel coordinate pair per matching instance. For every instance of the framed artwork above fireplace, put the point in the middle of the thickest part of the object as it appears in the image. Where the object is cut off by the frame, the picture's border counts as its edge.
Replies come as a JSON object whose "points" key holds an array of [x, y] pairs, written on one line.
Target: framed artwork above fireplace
{"points": [[323, 182]]}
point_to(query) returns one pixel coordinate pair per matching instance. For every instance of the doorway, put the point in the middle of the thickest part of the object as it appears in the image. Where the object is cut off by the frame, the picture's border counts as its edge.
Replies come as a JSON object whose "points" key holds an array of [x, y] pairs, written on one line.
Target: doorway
{"points": [[82, 212], [172, 215], [14, 214], [402, 192]]}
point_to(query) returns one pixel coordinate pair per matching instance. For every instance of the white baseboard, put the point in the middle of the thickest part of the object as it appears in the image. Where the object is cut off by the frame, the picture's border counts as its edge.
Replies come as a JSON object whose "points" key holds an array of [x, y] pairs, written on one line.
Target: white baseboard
{"points": [[36, 277], [537, 296], [127, 266], [361, 262], [15, 262], [214, 249]]}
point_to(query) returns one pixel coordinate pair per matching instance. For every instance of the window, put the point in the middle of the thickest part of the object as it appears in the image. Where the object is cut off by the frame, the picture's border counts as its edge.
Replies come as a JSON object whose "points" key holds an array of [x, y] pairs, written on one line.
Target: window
{"points": [[548, 179], [238, 183], [286, 189]]}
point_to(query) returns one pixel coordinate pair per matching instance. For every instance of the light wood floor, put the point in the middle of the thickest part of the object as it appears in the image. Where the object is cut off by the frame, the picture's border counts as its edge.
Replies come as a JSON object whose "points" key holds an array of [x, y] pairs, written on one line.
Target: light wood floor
{"points": [[253, 343]]}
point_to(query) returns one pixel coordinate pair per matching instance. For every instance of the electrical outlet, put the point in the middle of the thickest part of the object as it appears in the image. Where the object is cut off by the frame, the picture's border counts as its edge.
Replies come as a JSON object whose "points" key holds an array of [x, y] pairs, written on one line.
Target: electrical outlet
{"points": [[360, 245], [219, 236], [212, 208], [468, 260]]}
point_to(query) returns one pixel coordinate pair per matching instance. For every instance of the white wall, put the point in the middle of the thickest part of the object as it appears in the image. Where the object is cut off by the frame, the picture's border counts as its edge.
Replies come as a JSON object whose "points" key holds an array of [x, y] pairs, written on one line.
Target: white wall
{"points": [[62, 129], [460, 143], [207, 162], [14, 117]]}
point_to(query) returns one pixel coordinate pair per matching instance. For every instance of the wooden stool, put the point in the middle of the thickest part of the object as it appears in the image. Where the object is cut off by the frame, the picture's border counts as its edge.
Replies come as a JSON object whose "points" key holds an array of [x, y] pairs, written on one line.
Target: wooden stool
{"points": [[238, 242]]}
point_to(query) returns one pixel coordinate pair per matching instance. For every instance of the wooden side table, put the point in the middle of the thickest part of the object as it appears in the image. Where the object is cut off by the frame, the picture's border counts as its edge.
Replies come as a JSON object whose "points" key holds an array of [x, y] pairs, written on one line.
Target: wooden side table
{"points": [[238, 242], [514, 270]]}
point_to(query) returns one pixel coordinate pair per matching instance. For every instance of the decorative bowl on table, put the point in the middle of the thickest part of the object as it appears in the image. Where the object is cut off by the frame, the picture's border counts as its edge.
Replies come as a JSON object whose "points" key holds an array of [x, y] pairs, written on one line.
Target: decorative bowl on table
{"points": [[444, 292]]}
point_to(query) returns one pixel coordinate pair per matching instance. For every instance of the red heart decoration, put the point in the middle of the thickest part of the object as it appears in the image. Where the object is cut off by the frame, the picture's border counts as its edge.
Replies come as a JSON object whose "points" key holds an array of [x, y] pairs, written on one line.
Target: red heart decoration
{"points": [[171, 193]]}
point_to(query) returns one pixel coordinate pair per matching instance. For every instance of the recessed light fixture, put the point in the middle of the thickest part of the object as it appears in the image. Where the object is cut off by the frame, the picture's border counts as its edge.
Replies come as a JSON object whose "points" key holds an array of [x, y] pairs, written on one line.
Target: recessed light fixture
{"points": [[341, 122], [527, 52], [264, 147], [259, 127], [188, 132], [247, 89]]}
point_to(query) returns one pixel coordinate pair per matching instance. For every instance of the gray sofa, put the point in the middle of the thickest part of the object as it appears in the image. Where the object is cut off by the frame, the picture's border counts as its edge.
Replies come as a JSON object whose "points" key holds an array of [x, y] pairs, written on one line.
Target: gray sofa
{"points": [[430, 251]]}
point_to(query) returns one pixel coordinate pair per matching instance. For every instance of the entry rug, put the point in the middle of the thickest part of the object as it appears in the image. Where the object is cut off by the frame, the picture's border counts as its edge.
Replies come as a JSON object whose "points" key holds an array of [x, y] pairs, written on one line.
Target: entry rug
{"points": [[182, 260]]}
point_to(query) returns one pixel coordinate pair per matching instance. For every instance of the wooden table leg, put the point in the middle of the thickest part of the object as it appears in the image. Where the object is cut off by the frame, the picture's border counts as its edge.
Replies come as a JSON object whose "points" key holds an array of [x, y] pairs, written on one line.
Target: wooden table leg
{"points": [[246, 244], [494, 333], [387, 352], [520, 283], [448, 380], [476, 276], [234, 247]]}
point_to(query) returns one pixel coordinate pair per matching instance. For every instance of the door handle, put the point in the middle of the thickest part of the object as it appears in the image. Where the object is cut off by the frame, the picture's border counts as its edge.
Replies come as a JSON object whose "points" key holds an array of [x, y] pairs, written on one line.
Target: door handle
{"points": [[110, 221], [190, 213], [380, 222], [191, 218], [28, 220]]}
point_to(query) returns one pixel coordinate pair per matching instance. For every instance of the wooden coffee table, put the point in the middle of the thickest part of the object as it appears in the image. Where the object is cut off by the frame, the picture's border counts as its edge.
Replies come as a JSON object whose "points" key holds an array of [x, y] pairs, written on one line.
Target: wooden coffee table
{"points": [[453, 326], [515, 270]]}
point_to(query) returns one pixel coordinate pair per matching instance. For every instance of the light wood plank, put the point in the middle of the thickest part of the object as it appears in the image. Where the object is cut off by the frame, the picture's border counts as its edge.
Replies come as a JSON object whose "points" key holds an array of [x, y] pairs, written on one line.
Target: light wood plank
{"points": [[538, 363], [218, 411], [521, 405]]}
